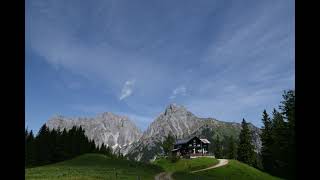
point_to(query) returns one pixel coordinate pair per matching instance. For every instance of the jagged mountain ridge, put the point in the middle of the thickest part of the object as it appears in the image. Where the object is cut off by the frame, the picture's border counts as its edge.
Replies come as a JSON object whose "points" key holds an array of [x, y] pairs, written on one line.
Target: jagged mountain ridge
{"points": [[118, 132], [181, 123], [121, 134]]}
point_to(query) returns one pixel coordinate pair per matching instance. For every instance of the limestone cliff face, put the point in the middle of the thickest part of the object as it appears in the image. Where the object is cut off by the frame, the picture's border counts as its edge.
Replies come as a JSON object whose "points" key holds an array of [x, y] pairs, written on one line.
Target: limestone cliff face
{"points": [[122, 134], [113, 130], [181, 123]]}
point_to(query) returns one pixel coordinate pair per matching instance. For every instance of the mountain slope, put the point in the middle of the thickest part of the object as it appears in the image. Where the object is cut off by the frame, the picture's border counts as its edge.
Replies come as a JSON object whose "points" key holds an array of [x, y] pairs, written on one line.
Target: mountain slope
{"points": [[113, 130], [178, 121]]}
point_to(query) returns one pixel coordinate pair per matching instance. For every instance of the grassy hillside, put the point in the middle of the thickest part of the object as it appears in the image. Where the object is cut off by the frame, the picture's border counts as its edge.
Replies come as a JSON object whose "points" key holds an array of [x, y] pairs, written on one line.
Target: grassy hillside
{"points": [[186, 165], [94, 166], [234, 170]]}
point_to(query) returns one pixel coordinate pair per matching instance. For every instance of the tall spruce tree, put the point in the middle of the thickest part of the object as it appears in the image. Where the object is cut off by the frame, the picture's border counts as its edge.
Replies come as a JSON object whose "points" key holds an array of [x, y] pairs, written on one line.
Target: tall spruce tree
{"points": [[30, 154], [217, 147], [167, 144], [232, 148], [287, 108], [245, 148], [43, 146], [267, 142], [280, 144], [26, 134]]}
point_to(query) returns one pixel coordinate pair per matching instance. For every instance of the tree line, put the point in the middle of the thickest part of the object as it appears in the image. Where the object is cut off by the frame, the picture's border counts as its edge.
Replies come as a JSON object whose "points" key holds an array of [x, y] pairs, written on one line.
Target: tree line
{"points": [[278, 139], [50, 146], [278, 151]]}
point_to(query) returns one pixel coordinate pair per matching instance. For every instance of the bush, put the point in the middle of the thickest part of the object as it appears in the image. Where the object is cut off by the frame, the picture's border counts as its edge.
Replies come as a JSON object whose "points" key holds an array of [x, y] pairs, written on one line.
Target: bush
{"points": [[173, 158]]}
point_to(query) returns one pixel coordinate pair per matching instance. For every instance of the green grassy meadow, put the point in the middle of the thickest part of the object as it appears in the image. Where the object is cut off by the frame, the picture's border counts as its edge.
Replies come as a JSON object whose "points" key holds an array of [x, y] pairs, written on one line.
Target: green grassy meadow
{"points": [[234, 170], [186, 165], [94, 166], [98, 166]]}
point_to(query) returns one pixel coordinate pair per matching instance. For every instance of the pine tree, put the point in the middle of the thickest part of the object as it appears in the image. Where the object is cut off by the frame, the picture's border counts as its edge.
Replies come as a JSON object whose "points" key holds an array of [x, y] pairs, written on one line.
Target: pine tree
{"points": [[26, 155], [232, 148], [109, 151], [245, 148], [167, 144], [32, 150], [102, 149], [217, 147], [279, 147], [287, 108], [267, 142], [43, 146]]}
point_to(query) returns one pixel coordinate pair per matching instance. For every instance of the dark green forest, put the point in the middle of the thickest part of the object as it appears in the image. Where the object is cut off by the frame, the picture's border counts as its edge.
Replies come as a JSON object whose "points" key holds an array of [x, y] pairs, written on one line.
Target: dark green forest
{"points": [[50, 146], [278, 152]]}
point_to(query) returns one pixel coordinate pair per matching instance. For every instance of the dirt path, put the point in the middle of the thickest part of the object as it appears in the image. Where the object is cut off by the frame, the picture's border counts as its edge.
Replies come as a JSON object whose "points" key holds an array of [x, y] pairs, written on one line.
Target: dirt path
{"points": [[167, 175], [163, 176], [222, 162]]}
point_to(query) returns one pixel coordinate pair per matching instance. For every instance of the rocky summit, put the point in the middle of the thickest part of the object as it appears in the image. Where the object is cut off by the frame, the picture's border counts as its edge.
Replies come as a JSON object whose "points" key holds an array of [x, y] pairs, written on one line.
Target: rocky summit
{"points": [[122, 134], [181, 123], [118, 132]]}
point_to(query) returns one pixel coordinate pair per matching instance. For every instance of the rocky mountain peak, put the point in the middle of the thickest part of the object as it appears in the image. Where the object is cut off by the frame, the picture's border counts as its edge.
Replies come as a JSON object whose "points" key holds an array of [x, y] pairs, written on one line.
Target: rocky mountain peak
{"points": [[172, 108], [113, 130], [113, 117], [176, 120]]}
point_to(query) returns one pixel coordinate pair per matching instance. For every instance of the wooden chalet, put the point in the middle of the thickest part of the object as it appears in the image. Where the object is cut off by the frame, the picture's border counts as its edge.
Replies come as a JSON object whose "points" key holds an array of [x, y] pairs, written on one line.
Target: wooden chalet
{"points": [[191, 147]]}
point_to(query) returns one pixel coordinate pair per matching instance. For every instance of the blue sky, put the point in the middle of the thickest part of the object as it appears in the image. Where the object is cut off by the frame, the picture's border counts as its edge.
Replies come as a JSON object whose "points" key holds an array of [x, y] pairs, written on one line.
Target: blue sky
{"points": [[224, 59]]}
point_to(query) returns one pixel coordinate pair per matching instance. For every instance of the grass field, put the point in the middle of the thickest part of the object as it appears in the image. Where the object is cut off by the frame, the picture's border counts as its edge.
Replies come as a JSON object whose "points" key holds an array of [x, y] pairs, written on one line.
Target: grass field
{"points": [[97, 166], [186, 165], [94, 166], [234, 170]]}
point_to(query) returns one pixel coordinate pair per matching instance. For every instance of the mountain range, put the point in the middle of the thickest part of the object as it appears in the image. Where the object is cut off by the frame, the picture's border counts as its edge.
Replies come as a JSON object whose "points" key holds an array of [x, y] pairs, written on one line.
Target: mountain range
{"points": [[120, 133]]}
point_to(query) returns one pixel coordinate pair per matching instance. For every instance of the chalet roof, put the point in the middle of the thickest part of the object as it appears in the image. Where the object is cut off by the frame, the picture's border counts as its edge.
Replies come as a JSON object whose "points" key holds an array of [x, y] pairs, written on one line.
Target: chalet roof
{"points": [[205, 141], [183, 141]]}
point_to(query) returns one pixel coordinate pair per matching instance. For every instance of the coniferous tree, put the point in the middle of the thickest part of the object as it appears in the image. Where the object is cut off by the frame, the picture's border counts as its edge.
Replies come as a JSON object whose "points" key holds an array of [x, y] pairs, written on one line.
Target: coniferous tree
{"points": [[167, 144], [109, 151], [103, 149], [217, 147], [30, 154], [287, 108], [280, 144], [51, 146], [245, 151], [43, 146], [26, 134], [232, 148], [267, 142]]}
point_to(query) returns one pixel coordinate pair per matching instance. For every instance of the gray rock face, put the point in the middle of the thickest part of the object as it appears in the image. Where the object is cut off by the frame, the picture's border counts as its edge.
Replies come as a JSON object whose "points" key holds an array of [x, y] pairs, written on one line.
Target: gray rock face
{"points": [[178, 121], [175, 120], [113, 130], [122, 134]]}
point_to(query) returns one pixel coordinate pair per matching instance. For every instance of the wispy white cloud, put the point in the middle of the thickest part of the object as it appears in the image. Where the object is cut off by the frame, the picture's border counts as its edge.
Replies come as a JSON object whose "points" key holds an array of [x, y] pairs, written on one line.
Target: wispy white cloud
{"points": [[127, 89], [181, 90]]}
